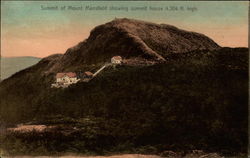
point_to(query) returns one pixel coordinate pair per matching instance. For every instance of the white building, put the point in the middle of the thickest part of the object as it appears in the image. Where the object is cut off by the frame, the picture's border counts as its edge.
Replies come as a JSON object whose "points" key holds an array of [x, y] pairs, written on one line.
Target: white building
{"points": [[66, 78], [116, 60]]}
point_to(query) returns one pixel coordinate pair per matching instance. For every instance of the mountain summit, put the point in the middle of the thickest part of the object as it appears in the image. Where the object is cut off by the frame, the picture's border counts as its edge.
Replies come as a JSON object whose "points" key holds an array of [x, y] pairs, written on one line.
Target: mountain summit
{"points": [[133, 38]]}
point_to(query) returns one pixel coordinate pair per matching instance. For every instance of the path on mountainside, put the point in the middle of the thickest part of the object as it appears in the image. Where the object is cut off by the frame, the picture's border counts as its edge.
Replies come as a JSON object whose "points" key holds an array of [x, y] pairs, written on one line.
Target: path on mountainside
{"points": [[98, 71], [102, 68]]}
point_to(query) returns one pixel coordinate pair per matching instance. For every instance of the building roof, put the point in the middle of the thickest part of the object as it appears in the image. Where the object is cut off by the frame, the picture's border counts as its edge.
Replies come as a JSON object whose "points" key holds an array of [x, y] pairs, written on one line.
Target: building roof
{"points": [[117, 57], [88, 73], [69, 74]]}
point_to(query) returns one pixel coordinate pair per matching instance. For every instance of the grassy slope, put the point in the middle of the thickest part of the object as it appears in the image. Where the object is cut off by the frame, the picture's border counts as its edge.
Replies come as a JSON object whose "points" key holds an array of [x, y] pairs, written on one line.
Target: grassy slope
{"points": [[193, 101]]}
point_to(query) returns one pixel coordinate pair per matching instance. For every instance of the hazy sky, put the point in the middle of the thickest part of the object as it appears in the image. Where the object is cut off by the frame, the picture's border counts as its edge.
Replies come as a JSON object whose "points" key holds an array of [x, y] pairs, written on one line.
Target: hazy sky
{"points": [[27, 30]]}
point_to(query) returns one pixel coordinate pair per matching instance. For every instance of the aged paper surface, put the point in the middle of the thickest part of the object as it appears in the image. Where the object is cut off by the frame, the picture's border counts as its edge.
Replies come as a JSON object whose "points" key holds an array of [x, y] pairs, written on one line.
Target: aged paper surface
{"points": [[131, 79]]}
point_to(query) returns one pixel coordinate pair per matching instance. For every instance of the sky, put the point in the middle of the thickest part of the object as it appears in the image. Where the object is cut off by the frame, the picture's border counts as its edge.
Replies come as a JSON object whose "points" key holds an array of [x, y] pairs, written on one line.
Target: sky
{"points": [[29, 29]]}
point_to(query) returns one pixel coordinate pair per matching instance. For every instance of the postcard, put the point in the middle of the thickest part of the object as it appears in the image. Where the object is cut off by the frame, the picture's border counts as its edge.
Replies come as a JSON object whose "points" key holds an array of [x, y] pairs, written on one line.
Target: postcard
{"points": [[124, 79]]}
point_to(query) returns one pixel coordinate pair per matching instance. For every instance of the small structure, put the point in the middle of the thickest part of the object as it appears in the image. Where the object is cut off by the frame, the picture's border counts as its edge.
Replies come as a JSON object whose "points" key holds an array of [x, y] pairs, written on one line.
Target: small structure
{"points": [[88, 74], [116, 60], [65, 79]]}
